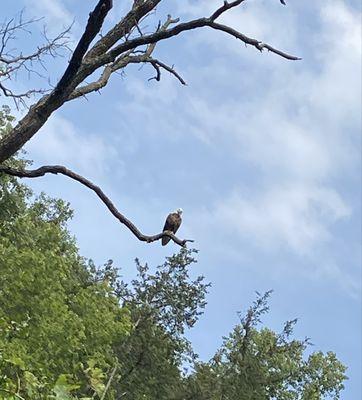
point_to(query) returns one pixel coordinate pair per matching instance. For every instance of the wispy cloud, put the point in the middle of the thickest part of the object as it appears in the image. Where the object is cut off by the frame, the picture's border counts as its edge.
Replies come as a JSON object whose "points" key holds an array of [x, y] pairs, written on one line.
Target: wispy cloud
{"points": [[295, 216], [56, 16], [295, 127], [60, 142], [54, 11]]}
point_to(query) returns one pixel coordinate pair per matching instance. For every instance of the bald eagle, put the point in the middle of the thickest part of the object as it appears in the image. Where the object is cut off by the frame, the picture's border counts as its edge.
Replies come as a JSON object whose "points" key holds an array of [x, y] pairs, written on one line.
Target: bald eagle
{"points": [[173, 222]]}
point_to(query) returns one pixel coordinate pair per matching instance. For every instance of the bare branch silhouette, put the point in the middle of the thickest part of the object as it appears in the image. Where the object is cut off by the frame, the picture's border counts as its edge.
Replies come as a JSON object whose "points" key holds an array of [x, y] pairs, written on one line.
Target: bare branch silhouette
{"points": [[59, 169]]}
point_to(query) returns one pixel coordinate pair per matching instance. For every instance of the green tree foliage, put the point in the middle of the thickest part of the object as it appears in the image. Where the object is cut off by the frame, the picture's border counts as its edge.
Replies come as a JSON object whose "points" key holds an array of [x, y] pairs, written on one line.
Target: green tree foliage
{"points": [[71, 330], [56, 324], [162, 305], [262, 364]]}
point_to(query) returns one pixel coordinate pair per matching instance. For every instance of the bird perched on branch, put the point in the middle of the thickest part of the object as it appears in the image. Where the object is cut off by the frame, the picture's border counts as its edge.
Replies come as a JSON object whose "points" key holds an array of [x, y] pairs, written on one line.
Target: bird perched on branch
{"points": [[173, 222]]}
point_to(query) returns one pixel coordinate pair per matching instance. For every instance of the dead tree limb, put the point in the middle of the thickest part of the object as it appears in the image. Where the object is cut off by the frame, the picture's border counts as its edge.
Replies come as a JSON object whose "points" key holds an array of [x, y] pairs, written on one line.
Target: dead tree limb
{"points": [[59, 169], [113, 51], [120, 63], [41, 111]]}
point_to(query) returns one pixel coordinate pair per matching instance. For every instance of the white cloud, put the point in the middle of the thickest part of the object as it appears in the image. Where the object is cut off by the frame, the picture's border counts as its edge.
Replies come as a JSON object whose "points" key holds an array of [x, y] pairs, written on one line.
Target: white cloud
{"points": [[266, 21], [305, 148], [293, 215], [303, 124], [55, 13], [60, 142], [336, 90], [296, 124], [57, 18]]}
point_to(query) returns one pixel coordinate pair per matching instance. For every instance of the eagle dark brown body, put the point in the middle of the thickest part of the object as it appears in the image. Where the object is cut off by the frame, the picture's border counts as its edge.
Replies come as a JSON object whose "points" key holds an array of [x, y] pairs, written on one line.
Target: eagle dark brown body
{"points": [[172, 223]]}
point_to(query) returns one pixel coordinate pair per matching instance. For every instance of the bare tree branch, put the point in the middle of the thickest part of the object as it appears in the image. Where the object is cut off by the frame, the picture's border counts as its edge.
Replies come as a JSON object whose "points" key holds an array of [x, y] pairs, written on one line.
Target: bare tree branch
{"points": [[183, 27], [159, 64], [139, 10], [59, 169], [225, 7], [118, 64], [8, 93], [40, 112], [94, 25], [48, 48], [12, 64], [110, 56]]}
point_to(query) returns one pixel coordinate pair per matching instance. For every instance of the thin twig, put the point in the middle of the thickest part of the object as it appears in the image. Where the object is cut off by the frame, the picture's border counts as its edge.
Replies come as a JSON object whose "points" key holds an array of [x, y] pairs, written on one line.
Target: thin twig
{"points": [[12, 394], [157, 64], [109, 382]]}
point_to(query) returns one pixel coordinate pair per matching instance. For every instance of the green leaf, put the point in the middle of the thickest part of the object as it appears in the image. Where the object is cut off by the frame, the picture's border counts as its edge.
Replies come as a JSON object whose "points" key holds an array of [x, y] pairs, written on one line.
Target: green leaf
{"points": [[63, 388]]}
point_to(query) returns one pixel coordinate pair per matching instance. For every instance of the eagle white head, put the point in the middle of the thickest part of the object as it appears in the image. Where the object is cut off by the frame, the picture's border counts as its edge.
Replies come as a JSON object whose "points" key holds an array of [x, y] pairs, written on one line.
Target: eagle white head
{"points": [[179, 211]]}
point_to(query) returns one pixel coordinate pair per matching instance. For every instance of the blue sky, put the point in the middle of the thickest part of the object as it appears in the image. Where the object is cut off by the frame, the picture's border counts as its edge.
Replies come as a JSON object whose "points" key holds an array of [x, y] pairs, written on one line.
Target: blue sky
{"points": [[262, 154]]}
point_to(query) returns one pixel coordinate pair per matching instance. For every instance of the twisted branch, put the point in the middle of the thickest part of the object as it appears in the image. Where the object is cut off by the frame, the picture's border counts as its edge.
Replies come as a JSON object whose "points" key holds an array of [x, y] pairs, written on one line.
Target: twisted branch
{"points": [[59, 169], [157, 65]]}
